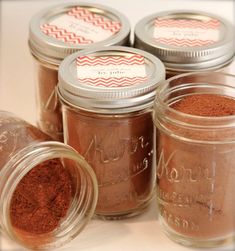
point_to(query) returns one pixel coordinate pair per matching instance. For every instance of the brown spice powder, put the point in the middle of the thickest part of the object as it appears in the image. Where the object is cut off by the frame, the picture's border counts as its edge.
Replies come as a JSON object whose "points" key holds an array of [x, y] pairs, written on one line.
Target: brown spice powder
{"points": [[196, 181], [120, 150], [49, 109], [208, 105]]}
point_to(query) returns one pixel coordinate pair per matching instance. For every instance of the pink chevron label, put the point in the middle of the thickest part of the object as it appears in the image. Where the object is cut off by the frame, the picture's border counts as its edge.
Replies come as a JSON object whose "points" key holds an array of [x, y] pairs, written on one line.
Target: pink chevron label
{"points": [[186, 32], [111, 71], [81, 26]]}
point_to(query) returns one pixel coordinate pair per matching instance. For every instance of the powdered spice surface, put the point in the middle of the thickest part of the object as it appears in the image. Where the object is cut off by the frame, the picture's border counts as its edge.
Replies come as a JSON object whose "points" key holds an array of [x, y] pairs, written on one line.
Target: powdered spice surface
{"points": [[42, 198], [208, 105]]}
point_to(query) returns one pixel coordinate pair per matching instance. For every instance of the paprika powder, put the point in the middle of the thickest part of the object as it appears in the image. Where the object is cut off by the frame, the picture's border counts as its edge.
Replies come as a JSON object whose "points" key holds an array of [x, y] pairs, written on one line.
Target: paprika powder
{"points": [[42, 205], [58, 31], [41, 199], [194, 115]]}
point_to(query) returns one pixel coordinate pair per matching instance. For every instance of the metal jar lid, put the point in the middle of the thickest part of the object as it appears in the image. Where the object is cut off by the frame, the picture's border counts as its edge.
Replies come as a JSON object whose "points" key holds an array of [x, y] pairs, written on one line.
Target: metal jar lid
{"points": [[187, 40], [58, 31], [110, 80]]}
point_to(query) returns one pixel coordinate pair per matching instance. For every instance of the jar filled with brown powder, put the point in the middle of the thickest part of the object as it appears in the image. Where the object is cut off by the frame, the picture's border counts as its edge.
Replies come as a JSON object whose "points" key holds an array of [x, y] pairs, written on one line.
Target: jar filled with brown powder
{"points": [[107, 97], [187, 41], [59, 31], [48, 192], [195, 119]]}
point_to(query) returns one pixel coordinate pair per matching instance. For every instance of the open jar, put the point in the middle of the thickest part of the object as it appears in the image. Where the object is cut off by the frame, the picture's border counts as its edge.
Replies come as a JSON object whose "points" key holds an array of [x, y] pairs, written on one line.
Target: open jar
{"points": [[58, 31], [107, 97], [195, 119], [187, 41], [48, 192]]}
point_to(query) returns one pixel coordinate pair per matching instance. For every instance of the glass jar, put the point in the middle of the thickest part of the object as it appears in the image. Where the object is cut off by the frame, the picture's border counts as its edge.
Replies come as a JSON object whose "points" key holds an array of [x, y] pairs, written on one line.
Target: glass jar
{"points": [[195, 159], [48, 192], [107, 97], [59, 31], [187, 41]]}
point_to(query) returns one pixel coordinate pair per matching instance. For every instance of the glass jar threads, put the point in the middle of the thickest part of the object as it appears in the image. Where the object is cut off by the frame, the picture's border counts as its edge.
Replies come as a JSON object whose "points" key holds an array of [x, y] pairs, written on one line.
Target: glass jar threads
{"points": [[187, 41], [48, 192], [59, 31], [107, 97], [195, 119]]}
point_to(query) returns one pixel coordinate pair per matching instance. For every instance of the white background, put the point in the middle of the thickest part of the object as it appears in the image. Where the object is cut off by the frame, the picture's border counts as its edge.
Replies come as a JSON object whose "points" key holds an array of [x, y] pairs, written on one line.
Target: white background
{"points": [[17, 94]]}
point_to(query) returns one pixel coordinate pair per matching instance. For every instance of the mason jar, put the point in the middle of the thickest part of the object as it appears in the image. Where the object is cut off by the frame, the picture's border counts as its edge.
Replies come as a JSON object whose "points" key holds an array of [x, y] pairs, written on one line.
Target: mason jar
{"points": [[58, 31], [107, 97], [187, 41], [48, 192], [194, 114]]}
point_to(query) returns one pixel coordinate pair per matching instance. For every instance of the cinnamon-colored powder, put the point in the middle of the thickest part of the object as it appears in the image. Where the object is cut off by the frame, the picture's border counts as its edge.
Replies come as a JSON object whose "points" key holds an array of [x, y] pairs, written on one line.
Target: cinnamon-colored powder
{"points": [[49, 117], [120, 150], [208, 105], [195, 179]]}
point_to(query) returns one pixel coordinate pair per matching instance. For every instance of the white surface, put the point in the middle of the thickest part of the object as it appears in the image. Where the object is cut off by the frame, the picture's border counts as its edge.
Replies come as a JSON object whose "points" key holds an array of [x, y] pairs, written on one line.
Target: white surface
{"points": [[17, 95]]}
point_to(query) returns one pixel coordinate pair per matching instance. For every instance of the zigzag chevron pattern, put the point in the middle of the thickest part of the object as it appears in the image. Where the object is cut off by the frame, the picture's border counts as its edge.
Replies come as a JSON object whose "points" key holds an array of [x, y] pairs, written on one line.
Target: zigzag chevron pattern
{"points": [[126, 62], [63, 35], [183, 23], [96, 20], [110, 60], [113, 82], [184, 42]]}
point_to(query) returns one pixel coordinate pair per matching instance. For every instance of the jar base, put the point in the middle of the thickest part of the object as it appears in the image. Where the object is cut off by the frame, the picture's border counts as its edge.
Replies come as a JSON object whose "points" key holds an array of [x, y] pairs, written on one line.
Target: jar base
{"points": [[124, 215], [196, 242]]}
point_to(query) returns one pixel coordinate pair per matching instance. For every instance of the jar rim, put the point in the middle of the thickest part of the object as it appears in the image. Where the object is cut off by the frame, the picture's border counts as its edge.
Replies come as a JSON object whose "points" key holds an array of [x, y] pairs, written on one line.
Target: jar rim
{"points": [[24, 161], [187, 58], [159, 100], [53, 51], [106, 99]]}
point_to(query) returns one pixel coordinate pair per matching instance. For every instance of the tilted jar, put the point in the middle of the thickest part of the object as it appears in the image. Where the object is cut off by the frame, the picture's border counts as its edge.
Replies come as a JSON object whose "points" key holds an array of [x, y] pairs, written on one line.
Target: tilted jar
{"points": [[23, 148]]}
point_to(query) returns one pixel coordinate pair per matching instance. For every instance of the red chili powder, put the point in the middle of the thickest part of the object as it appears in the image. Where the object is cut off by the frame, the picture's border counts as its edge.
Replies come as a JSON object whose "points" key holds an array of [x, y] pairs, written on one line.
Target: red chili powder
{"points": [[208, 105], [42, 198]]}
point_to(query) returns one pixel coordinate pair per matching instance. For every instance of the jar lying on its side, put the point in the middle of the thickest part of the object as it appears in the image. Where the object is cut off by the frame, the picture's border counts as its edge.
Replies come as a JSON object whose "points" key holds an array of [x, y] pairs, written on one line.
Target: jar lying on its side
{"points": [[107, 97], [187, 41], [48, 192], [195, 119], [55, 33]]}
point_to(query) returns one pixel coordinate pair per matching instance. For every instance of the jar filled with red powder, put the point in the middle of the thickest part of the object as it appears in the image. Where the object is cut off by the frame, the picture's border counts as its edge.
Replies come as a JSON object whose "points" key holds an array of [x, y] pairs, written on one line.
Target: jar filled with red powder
{"points": [[187, 41], [107, 97], [58, 31], [195, 119], [48, 192]]}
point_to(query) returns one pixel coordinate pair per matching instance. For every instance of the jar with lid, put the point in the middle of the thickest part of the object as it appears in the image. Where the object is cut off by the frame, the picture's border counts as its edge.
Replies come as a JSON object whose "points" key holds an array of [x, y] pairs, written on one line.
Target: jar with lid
{"points": [[58, 31], [107, 97], [187, 41], [48, 192], [194, 114]]}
